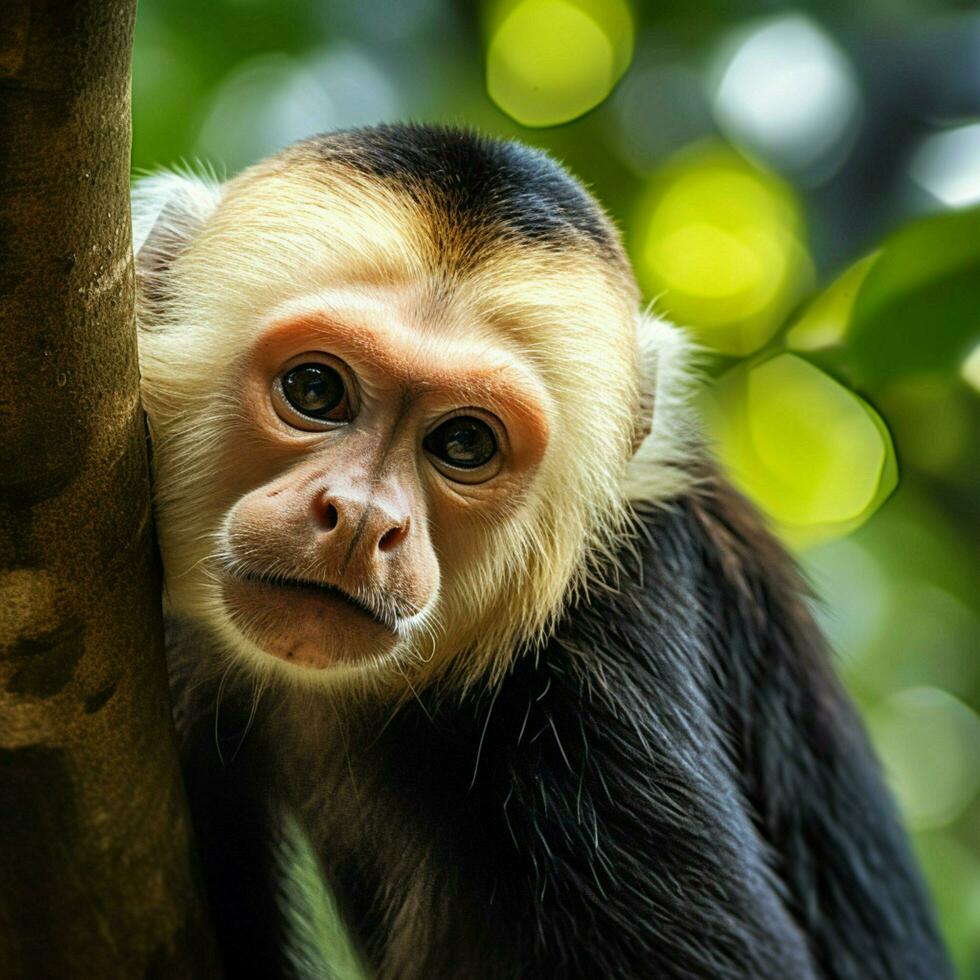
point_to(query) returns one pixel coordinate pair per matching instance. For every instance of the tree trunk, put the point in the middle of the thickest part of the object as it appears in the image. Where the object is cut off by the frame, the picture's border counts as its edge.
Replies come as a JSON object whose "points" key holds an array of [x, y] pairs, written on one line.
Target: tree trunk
{"points": [[97, 875]]}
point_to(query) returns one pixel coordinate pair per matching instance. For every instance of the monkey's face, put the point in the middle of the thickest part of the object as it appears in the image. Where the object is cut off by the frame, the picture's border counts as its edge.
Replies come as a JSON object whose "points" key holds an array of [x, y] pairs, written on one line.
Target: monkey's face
{"points": [[374, 446], [392, 413]]}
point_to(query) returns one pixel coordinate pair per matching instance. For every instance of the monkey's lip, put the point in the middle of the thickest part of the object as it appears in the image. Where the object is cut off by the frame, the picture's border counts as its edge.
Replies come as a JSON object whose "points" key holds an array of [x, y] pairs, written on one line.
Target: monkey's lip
{"points": [[323, 589]]}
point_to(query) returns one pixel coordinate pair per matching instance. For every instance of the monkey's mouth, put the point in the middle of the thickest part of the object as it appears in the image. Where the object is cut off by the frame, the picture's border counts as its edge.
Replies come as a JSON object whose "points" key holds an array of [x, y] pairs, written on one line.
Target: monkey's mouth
{"points": [[306, 587]]}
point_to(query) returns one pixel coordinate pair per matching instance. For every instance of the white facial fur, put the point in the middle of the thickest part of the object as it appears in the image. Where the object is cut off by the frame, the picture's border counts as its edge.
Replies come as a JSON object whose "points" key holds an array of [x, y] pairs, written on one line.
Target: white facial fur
{"points": [[217, 263]]}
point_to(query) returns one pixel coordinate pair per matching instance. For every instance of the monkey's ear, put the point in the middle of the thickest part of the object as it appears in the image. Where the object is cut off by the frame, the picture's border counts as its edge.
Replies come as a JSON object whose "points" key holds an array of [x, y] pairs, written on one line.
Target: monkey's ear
{"points": [[168, 209], [664, 432]]}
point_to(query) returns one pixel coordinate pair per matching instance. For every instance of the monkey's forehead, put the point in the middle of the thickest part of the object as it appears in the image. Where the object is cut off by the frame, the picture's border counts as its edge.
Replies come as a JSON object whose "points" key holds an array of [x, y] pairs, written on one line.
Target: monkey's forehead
{"points": [[483, 227], [490, 187]]}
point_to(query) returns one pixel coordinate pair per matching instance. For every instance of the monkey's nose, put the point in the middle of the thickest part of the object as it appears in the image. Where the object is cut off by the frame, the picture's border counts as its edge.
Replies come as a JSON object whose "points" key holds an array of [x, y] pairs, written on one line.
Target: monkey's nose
{"points": [[328, 515], [393, 537], [352, 522]]}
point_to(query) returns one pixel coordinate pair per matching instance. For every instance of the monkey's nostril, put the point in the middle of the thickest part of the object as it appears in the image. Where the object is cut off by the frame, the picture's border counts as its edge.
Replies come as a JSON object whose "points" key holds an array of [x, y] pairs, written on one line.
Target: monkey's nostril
{"points": [[393, 537], [330, 517]]}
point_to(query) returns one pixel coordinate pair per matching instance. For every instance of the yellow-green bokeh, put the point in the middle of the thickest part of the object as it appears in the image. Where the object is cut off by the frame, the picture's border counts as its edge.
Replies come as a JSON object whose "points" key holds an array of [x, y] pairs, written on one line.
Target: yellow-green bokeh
{"points": [[970, 369], [718, 247], [812, 454], [550, 61]]}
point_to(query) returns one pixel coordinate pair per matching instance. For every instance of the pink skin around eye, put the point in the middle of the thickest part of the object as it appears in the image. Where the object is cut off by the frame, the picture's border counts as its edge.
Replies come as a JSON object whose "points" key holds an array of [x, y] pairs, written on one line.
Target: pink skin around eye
{"points": [[400, 387], [453, 373]]}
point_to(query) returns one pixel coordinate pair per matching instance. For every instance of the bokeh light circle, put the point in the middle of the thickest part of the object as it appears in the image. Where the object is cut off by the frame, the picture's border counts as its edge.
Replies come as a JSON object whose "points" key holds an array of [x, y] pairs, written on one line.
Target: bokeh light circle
{"points": [[718, 246], [812, 454], [787, 92], [550, 61], [928, 740]]}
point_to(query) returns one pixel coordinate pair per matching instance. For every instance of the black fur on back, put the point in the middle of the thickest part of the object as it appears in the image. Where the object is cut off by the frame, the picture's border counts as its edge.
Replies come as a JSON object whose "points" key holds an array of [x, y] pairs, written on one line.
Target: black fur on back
{"points": [[674, 787], [493, 187]]}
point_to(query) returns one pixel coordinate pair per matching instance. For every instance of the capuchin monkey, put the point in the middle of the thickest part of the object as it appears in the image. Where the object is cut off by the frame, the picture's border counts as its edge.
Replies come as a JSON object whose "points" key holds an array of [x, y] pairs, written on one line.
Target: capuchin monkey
{"points": [[452, 581]]}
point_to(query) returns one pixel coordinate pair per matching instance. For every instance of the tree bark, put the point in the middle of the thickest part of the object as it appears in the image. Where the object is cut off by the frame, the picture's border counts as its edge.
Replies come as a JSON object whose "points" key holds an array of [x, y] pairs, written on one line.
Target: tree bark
{"points": [[97, 876]]}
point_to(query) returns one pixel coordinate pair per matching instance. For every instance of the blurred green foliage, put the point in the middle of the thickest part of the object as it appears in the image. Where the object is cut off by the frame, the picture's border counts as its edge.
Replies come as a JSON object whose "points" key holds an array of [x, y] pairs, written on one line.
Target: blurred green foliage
{"points": [[537, 83], [812, 454], [800, 190], [718, 241]]}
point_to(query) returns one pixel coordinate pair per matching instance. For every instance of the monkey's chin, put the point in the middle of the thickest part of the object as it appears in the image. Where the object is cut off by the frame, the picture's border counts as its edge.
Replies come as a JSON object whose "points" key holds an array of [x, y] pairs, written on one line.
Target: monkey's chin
{"points": [[306, 626]]}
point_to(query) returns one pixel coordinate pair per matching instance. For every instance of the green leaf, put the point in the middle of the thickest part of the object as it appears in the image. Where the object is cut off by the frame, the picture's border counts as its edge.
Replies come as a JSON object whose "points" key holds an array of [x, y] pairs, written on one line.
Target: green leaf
{"points": [[825, 321], [918, 309]]}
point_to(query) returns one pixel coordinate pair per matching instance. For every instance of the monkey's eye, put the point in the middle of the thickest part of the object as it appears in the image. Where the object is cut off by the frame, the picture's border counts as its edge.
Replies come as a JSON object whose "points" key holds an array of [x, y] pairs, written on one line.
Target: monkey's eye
{"points": [[312, 392], [465, 448], [313, 389]]}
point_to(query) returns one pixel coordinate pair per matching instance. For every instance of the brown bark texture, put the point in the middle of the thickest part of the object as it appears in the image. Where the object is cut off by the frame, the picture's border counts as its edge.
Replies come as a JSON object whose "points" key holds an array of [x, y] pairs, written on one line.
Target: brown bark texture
{"points": [[97, 877]]}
